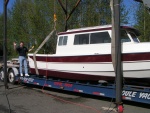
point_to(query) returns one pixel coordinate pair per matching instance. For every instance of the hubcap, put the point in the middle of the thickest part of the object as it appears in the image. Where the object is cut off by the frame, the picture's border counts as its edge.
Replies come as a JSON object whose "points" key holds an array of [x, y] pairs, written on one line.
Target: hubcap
{"points": [[11, 77]]}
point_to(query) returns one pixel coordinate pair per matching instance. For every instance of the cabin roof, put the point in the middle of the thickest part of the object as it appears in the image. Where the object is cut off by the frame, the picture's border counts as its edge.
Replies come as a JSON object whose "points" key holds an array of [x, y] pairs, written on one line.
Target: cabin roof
{"points": [[97, 28]]}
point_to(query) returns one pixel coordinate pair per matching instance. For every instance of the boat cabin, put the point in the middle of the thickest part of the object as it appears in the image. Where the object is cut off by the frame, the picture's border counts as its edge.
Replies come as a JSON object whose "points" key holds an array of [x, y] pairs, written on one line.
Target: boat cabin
{"points": [[92, 40]]}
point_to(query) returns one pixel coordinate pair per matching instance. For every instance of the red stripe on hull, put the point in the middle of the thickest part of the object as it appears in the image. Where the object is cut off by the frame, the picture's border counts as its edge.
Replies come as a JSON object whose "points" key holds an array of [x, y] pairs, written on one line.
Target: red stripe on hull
{"points": [[93, 58], [73, 76], [83, 77]]}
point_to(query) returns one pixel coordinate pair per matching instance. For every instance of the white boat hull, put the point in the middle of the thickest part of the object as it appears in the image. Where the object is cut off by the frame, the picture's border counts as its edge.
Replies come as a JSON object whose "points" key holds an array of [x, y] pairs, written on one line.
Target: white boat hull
{"points": [[91, 70]]}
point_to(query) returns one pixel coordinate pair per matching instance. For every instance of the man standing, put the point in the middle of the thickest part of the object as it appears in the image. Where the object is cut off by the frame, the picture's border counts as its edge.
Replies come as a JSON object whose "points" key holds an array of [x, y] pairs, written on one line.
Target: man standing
{"points": [[22, 50]]}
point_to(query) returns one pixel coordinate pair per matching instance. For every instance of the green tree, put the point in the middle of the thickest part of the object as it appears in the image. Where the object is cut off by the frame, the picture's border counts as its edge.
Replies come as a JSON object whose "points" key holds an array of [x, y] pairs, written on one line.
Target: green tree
{"points": [[32, 20], [142, 22], [94, 13]]}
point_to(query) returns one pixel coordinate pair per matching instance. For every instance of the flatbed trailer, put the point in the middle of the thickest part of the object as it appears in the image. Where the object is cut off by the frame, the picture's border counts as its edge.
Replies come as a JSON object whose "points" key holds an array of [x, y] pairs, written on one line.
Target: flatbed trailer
{"points": [[133, 93], [130, 92]]}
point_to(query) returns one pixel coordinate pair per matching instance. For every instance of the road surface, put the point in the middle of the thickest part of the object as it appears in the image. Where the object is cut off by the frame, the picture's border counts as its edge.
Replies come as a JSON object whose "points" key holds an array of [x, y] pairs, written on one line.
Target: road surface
{"points": [[31, 99]]}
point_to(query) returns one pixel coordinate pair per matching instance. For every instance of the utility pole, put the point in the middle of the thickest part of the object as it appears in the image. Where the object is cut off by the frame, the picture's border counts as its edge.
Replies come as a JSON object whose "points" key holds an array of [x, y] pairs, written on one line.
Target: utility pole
{"points": [[66, 14], [5, 44], [116, 53]]}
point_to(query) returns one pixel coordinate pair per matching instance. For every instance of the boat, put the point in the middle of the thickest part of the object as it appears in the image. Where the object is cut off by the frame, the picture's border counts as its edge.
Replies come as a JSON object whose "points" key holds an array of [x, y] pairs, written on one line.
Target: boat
{"points": [[85, 54]]}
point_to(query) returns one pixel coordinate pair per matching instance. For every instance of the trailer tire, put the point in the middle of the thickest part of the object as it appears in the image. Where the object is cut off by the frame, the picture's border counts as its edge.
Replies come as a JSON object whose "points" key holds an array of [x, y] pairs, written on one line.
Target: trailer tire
{"points": [[11, 77], [2, 74]]}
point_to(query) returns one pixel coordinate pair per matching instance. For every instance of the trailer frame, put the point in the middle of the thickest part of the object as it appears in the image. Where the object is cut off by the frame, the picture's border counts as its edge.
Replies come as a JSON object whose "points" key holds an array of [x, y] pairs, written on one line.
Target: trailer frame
{"points": [[140, 94]]}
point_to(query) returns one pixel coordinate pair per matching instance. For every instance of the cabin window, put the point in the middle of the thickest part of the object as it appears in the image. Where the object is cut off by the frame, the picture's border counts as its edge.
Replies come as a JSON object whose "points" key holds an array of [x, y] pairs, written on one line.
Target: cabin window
{"points": [[63, 40], [134, 37], [100, 37], [81, 39], [124, 36]]}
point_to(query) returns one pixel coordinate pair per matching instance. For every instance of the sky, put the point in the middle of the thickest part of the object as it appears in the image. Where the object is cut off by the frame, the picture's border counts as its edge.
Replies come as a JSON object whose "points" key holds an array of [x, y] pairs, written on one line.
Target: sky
{"points": [[128, 3], [10, 4]]}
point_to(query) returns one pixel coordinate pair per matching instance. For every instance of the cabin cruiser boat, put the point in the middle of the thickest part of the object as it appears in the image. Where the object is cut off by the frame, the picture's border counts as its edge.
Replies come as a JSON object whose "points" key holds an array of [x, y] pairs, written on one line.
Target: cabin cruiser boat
{"points": [[85, 54]]}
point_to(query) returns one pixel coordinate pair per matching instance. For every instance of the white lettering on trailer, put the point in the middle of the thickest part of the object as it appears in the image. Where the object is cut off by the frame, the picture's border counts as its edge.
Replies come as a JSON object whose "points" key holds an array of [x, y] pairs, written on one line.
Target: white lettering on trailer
{"points": [[27, 79], [144, 95], [102, 94], [81, 91], [129, 93]]}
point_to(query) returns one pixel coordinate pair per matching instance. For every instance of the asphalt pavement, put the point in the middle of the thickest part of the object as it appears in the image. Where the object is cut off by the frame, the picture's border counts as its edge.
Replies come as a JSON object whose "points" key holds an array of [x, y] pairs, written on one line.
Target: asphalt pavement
{"points": [[32, 99]]}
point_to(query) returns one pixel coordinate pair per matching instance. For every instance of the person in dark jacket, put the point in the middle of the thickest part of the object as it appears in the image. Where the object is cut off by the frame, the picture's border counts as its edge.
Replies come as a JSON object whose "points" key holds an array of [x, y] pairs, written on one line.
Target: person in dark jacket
{"points": [[22, 51]]}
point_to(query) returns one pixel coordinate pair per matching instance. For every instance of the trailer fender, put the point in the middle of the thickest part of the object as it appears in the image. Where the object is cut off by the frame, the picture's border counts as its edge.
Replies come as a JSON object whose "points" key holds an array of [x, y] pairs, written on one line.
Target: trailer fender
{"points": [[16, 71]]}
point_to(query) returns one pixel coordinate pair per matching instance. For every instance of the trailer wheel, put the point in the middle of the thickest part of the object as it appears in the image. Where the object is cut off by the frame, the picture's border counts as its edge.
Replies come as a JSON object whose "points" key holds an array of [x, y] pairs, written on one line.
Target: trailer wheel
{"points": [[11, 77], [2, 74]]}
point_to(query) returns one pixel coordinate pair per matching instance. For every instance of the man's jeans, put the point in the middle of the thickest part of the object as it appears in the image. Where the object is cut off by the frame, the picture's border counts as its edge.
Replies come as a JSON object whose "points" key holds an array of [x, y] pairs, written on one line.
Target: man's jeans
{"points": [[23, 61]]}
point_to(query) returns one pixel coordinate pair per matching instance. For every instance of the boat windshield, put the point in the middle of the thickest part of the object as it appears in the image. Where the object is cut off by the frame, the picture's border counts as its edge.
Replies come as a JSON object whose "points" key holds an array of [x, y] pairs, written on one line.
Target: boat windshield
{"points": [[134, 37], [124, 36]]}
